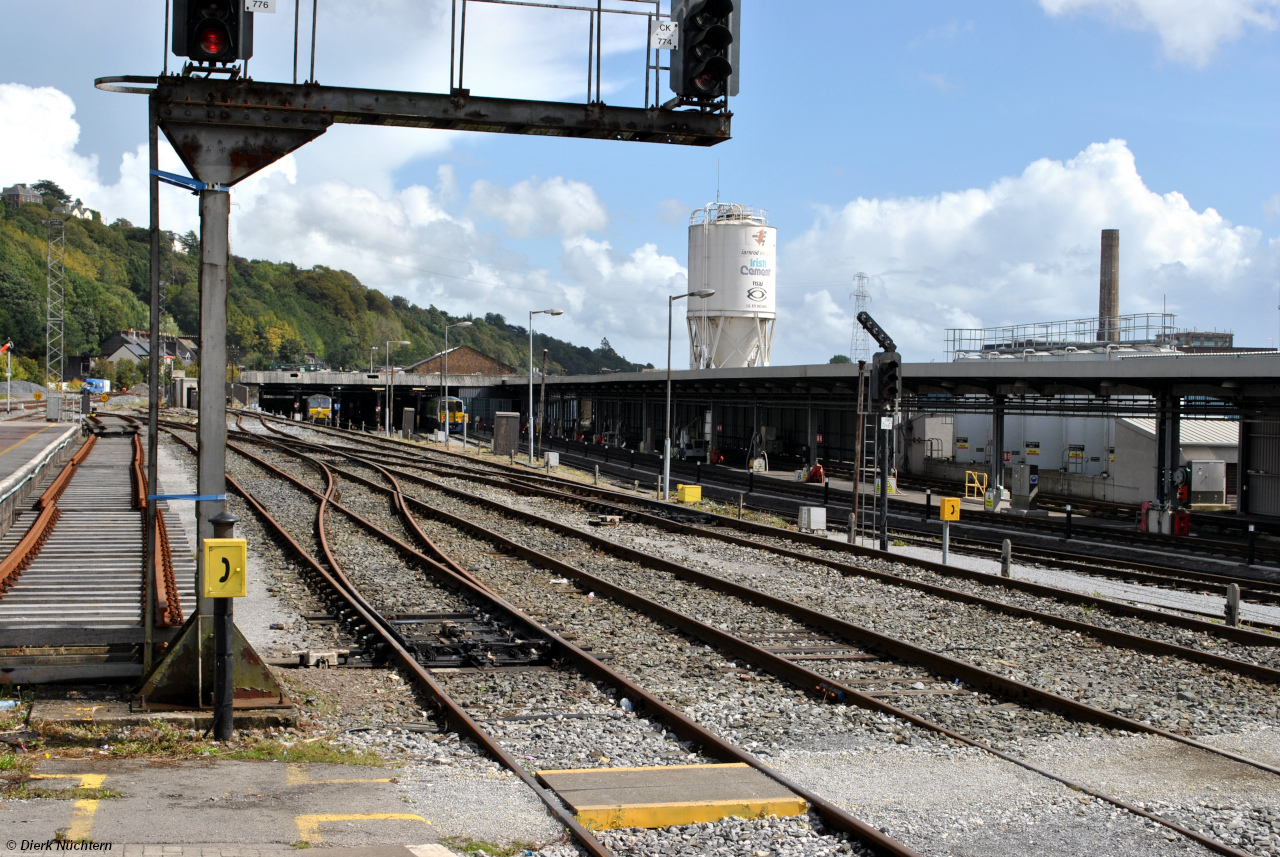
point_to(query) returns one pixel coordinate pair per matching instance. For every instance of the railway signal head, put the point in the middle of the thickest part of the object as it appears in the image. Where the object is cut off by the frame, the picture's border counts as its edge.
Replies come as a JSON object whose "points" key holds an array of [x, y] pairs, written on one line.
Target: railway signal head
{"points": [[212, 31], [886, 377], [704, 66]]}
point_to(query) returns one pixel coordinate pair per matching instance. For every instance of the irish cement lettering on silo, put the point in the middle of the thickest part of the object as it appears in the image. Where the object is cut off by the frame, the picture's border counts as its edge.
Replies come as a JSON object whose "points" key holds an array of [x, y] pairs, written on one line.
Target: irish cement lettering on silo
{"points": [[757, 268], [732, 250]]}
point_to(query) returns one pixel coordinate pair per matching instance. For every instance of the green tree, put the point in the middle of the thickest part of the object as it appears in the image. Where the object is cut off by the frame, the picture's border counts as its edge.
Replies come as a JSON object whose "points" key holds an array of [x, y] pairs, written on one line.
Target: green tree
{"points": [[126, 374], [840, 358], [44, 187]]}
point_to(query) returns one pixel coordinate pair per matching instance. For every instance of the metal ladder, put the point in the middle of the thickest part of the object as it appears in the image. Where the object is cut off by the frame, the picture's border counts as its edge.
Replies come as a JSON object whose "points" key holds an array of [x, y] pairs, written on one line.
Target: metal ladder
{"points": [[867, 508]]}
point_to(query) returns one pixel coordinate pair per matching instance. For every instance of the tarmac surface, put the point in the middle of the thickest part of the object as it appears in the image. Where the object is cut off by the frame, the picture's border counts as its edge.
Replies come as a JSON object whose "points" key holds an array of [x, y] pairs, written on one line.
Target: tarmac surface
{"points": [[24, 442]]}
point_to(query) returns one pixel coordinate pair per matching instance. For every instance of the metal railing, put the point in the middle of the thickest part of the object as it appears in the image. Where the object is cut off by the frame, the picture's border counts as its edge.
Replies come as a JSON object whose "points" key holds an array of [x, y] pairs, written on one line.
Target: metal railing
{"points": [[1155, 328]]}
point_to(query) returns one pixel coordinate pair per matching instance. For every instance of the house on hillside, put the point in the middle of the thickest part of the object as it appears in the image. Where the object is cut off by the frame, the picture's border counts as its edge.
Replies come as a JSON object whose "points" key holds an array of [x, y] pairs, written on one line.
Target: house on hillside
{"points": [[135, 345], [463, 360], [76, 209], [20, 194]]}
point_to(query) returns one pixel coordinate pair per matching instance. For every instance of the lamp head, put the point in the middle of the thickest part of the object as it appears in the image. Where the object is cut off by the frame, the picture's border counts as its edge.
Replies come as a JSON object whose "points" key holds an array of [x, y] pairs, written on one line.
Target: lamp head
{"points": [[461, 324], [702, 293]]}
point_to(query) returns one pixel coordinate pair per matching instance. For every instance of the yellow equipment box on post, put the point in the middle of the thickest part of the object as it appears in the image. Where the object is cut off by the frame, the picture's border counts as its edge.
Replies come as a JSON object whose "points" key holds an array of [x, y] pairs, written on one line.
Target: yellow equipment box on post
{"points": [[225, 562], [688, 493], [949, 509]]}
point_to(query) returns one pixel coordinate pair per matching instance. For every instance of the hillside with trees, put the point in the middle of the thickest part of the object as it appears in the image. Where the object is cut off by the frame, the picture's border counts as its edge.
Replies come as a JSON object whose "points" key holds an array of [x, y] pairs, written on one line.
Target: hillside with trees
{"points": [[278, 313]]}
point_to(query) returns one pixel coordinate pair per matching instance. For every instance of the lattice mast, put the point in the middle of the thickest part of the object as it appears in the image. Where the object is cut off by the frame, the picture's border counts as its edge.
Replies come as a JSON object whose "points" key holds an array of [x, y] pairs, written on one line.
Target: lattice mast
{"points": [[860, 343], [55, 303]]}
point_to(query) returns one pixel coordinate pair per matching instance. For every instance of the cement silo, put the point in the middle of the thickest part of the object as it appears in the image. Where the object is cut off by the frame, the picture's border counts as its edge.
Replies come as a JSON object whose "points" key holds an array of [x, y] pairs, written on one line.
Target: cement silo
{"points": [[733, 250]]}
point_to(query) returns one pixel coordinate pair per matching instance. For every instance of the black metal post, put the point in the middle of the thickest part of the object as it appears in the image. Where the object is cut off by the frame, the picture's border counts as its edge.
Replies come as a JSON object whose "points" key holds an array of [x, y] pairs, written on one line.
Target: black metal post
{"points": [[1253, 544], [826, 491], [928, 504], [1068, 535], [224, 527], [698, 476], [153, 397], [884, 481], [751, 481]]}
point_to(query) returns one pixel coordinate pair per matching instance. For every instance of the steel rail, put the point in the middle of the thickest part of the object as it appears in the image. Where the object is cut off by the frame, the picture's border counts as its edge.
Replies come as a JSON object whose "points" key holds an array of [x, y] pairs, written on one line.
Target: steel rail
{"points": [[570, 491], [28, 547], [792, 494], [653, 706], [168, 613], [342, 589], [644, 703], [1243, 636], [936, 661], [1047, 559], [416, 530], [909, 652], [805, 679]]}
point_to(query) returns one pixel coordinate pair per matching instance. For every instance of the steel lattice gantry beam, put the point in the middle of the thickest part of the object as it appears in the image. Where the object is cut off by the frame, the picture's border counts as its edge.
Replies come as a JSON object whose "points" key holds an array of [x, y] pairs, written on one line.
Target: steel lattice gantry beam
{"points": [[225, 130]]}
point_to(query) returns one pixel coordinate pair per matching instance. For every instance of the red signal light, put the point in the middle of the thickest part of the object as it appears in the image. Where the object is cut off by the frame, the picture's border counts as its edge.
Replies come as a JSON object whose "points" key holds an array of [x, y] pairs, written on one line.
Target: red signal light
{"points": [[212, 39]]}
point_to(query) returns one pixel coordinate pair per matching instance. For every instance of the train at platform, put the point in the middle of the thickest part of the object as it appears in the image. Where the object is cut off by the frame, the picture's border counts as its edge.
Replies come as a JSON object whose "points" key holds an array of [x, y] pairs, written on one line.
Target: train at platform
{"points": [[319, 407], [448, 411]]}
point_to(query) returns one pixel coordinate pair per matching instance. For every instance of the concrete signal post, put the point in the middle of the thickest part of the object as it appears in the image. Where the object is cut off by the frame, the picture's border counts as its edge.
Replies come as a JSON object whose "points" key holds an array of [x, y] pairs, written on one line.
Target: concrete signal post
{"points": [[391, 382], [666, 431], [532, 428], [444, 386]]}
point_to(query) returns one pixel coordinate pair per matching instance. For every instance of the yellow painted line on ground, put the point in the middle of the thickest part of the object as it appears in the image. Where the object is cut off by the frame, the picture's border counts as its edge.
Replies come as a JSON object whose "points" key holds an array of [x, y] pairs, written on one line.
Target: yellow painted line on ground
{"points": [[309, 825], [296, 774], [82, 811], [644, 768], [24, 440], [656, 815]]}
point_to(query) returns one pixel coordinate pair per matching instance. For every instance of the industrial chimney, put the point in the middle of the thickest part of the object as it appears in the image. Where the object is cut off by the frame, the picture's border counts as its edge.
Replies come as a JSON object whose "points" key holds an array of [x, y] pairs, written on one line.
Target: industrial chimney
{"points": [[1109, 288]]}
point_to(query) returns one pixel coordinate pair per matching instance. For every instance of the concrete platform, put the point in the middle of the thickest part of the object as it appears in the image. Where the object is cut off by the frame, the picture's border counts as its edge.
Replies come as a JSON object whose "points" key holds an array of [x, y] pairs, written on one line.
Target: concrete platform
{"points": [[249, 806], [21, 443], [26, 450], [607, 798]]}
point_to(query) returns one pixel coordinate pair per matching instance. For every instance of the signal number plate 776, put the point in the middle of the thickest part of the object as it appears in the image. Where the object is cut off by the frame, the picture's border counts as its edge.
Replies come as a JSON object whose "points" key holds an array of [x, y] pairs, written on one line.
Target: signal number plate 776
{"points": [[266, 6]]}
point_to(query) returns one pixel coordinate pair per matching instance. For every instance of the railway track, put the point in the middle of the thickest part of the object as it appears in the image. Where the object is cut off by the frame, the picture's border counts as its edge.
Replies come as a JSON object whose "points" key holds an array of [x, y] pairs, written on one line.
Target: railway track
{"points": [[841, 553], [777, 643], [774, 495], [395, 640], [1091, 556], [73, 570]]}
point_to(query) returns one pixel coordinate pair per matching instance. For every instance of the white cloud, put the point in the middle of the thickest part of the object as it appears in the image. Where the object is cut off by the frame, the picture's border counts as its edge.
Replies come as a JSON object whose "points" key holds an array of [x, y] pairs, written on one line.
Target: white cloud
{"points": [[1271, 207], [534, 209], [38, 137], [413, 242], [1190, 30], [609, 286], [1024, 249]]}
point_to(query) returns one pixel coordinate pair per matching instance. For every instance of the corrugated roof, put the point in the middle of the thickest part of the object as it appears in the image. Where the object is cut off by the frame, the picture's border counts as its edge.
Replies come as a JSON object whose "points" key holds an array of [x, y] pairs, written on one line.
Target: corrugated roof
{"points": [[1195, 432]]}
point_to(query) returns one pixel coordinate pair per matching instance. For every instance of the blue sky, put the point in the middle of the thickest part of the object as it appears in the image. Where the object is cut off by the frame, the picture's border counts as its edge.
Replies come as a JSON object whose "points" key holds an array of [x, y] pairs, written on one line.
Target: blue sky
{"points": [[964, 155]]}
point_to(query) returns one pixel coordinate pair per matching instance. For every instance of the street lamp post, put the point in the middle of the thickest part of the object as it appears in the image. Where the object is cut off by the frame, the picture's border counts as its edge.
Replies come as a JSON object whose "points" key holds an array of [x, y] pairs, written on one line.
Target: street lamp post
{"points": [[373, 350], [8, 376], [532, 313], [666, 443], [444, 384], [391, 380]]}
